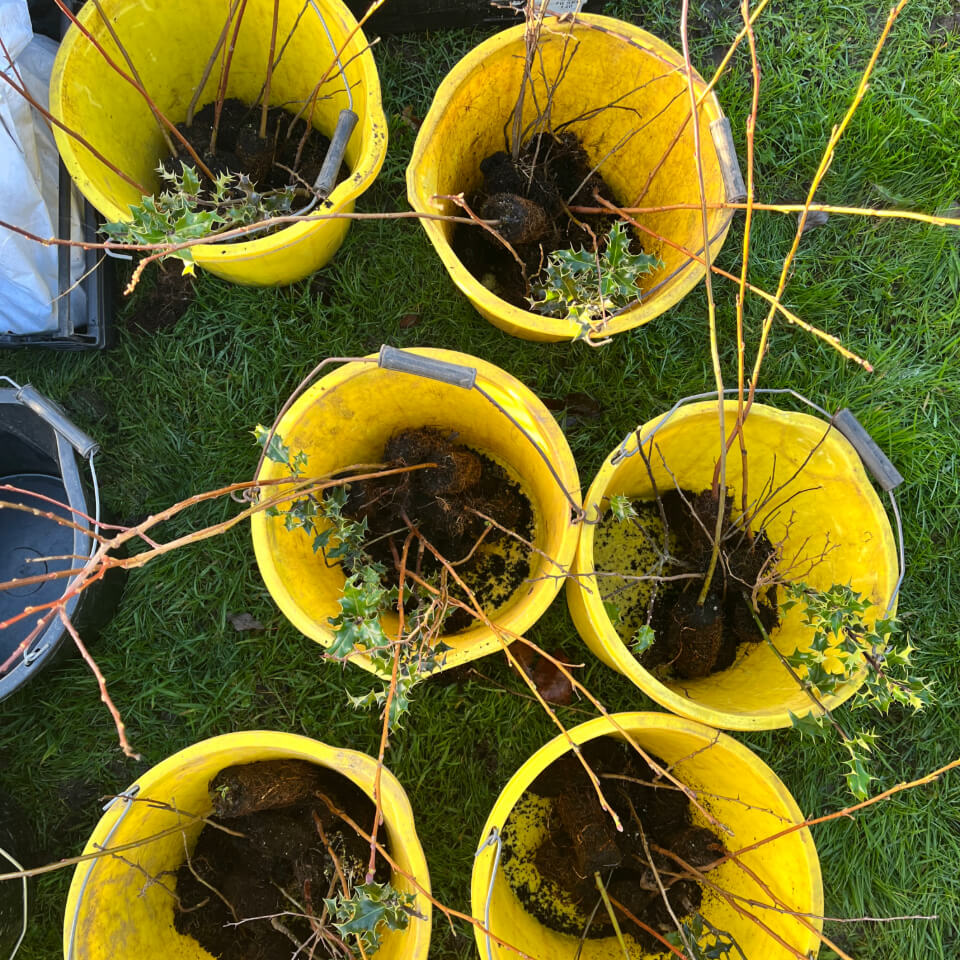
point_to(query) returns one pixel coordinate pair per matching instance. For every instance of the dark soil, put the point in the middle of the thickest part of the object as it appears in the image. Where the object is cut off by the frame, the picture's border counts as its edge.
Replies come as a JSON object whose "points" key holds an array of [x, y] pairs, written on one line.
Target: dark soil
{"points": [[239, 149], [161, 305], [441, 502], [279, 808], [695, 640], [581, 840], [531, 208]]}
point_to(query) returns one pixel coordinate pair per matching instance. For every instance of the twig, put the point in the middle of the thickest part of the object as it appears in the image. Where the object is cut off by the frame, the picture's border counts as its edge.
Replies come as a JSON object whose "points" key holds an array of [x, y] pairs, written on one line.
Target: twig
{"points": [[286, 42], [827, 157], [312, 99], [200, 880], [516, 536], [83, 858], [917, 216], [504, 637], [458, 200], [648, 929], [391, 692], [769, 297], [332, 854], [152, 881], [192, 106], [102, 683], [719, 489], [693, 871], [658, 166], [656, 785], [224, 77], [656, 876], [137, 86], [266, 83], [845, 812], [136, 76], [447, 911], [50, 118]]}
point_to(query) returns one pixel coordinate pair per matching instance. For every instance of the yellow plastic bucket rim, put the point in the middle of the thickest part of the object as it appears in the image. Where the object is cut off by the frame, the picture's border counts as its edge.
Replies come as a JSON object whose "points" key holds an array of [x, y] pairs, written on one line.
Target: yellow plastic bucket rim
{"points": [[631, 723], [487, 373], [394, 803], [341, 199], [526, 322], [600, 622]]}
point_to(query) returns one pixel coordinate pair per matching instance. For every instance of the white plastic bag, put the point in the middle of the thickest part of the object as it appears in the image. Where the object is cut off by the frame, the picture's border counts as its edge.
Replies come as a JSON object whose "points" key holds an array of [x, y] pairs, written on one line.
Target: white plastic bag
{"points": [[29, 181]]}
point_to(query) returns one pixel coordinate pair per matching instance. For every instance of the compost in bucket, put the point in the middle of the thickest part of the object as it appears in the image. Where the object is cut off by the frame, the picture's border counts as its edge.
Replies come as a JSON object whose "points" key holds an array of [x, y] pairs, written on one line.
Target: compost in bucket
{"points": [[447, 504], [671, 538], [530, 197], [282, 160], [287, 851], [558, 840]]}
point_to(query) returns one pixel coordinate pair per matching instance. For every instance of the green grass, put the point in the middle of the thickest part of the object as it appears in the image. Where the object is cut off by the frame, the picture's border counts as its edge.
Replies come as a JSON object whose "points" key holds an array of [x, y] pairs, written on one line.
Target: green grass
{"points": [[173, 411]]}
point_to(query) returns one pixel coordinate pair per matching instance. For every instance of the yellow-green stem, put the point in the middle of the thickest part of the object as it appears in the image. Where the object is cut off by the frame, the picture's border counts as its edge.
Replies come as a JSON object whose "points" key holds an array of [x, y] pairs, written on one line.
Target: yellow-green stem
{"points": [[612, 915]]}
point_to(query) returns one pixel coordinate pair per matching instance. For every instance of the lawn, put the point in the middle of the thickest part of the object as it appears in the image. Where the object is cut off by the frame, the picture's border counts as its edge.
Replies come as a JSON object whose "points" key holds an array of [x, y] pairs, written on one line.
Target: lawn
{"points": [[173, 408]]}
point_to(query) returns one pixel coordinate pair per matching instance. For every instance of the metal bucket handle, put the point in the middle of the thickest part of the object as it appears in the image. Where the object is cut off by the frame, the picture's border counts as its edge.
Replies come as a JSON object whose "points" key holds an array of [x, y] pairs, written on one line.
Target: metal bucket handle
{"points": [[493, 839], [444, 371], [127, 796], [86, 447]]}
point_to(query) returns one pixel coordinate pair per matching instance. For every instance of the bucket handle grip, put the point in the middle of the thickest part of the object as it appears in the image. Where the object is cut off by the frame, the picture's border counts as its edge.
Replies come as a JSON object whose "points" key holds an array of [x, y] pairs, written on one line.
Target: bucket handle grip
{"points": [[402, 361], [457, 375], [53, 415], [874, 459], [733, 185], [338, 147]]}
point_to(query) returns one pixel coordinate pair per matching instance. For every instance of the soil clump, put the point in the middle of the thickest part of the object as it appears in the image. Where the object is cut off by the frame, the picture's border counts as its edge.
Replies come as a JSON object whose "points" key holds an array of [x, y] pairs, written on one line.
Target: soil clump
{"points": [[278, 807], [556, 878], [692, 640], [531, 198], [444, 503]]}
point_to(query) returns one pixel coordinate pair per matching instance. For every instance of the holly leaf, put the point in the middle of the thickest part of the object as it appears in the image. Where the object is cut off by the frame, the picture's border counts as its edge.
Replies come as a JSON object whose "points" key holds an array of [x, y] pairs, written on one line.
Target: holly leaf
{"points": [[369, 908], [809, 725], [275, 450], [642, 640]]}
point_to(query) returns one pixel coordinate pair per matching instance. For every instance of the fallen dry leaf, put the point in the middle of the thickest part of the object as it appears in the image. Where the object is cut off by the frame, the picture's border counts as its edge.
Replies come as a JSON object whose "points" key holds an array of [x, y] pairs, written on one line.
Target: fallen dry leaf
{"points": [[409, 119], [578, 407], [551, 684]]}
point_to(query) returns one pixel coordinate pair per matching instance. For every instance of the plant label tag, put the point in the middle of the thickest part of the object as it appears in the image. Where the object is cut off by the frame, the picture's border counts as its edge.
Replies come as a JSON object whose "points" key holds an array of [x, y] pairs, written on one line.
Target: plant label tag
{"points": [[560, 7]]}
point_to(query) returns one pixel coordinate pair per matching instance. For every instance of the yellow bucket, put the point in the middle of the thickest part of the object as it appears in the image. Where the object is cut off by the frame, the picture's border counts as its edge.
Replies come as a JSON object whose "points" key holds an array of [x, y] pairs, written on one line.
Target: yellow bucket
{"points": [[614, 61], [170, 43], [112, 915], [348, 416], [751, 801], [756, 692]]}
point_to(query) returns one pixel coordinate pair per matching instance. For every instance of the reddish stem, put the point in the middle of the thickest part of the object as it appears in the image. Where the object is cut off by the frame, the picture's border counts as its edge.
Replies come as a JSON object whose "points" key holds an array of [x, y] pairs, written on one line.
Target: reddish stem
{"points": [[224, 77], [137, 86]]}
